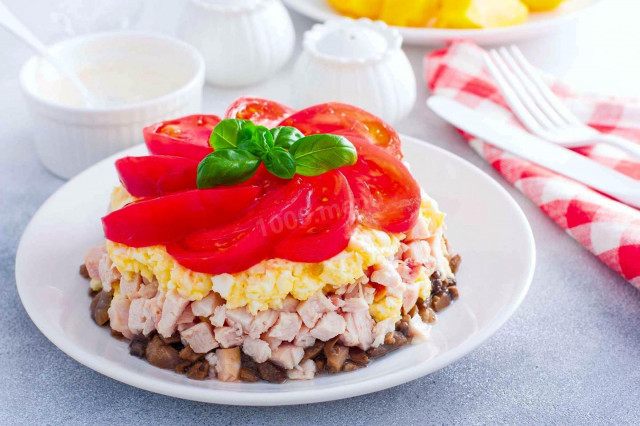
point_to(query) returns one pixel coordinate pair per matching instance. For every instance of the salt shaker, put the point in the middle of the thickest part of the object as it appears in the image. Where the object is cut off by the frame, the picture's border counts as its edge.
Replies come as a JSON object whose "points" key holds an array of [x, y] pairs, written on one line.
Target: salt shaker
{"points": [[242, 41], [359, 62]]}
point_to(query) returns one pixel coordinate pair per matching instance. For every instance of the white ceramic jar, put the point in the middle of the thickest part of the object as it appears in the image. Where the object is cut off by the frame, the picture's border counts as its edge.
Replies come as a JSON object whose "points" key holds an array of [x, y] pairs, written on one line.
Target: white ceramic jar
{"points": [[242, 41], [142, 78], [359, 62]]}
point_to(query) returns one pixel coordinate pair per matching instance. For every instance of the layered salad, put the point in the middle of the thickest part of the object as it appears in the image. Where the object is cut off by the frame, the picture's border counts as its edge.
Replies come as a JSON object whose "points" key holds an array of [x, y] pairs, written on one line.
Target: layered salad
{"points": [[270, 245]]}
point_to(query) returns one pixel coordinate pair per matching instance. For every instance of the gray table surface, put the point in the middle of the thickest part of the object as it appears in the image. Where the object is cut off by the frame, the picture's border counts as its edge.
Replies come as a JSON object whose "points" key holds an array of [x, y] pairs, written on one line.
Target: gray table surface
{"points": [[569, 355]]}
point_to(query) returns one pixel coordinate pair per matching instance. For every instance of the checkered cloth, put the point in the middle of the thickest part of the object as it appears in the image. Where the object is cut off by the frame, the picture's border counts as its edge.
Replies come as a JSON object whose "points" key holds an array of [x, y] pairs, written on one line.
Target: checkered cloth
{"points": [[607, 228]]}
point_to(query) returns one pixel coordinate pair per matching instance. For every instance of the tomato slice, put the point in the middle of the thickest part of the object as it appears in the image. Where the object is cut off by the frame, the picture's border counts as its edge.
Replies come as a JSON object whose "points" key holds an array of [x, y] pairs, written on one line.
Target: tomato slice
{"points": [[262, 112], [328, 228], [386, 194], [334, 116], [161, 220], [183, 137], [155, 175], [240, 245]]}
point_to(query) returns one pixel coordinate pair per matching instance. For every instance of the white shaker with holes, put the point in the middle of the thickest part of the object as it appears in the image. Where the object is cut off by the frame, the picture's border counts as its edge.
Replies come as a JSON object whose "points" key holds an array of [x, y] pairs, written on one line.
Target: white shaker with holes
{"points": [[359, 62], [242, 41]]}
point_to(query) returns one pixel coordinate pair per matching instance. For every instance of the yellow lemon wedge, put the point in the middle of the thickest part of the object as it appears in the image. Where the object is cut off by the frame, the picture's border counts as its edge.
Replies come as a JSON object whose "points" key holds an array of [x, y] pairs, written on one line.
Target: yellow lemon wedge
{"points": [[358, 8], [481, 13], [542, 5], [417, 13]]}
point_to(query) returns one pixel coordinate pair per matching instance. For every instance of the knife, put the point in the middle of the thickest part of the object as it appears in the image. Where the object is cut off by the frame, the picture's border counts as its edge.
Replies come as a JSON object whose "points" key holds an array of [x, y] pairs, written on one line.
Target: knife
{"points": [[539, 151]]}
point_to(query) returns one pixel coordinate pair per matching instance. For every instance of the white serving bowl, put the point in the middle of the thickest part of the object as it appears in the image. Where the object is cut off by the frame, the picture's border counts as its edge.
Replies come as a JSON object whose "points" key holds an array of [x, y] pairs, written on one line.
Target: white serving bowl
{"points": [[156, 78]]}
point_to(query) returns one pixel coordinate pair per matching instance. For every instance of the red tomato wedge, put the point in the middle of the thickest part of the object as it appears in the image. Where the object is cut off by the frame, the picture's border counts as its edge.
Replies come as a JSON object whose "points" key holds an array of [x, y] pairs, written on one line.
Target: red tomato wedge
{"points": [[240, 245], [333, 116], [386, 194], [164, 219], [183, 137], [262, 112], [156, 175], [328, 227]]}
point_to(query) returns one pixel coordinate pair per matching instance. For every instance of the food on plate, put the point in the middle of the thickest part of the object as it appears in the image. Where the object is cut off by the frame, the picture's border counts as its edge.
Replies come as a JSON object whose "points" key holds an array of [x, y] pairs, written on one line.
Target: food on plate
{"points": [[457, 14], [270, 245]]}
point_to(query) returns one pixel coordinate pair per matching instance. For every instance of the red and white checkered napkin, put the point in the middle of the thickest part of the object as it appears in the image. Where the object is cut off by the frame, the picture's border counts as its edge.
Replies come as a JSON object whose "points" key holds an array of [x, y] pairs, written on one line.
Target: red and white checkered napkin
{"points": [[607, 228]]}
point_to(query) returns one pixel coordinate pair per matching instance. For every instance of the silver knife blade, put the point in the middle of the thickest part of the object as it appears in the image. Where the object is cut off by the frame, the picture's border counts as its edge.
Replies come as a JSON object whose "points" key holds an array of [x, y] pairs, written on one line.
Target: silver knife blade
{"points": [[539, 151]]}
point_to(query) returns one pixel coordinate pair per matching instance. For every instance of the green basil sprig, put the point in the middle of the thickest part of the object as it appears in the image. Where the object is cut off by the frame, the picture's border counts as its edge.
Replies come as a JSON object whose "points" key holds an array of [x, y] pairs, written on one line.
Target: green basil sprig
{"points": [[240, 146]]}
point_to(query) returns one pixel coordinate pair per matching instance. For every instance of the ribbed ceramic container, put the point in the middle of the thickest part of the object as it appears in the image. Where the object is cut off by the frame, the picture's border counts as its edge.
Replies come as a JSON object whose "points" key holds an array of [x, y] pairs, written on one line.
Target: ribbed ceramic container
{"points": [[242, 41], [69, 139], [358, 62]]}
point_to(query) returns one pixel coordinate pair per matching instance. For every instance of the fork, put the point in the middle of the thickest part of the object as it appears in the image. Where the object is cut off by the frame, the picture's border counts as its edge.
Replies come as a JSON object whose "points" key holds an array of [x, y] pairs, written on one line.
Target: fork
{"points": [[538, 108]]}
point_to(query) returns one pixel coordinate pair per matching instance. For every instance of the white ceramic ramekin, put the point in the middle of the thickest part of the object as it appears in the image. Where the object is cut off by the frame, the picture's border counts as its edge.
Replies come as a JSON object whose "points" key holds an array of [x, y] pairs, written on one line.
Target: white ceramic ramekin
{"points": [[242, 41], [68, 139]]}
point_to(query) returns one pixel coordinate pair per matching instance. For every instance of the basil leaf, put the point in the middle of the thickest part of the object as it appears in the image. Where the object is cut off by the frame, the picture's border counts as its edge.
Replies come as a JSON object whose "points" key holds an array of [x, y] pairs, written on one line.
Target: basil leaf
{"points": [[285, 136], [257, 140], [317, 154], [226, 133], [226, 167], [280, 163]]}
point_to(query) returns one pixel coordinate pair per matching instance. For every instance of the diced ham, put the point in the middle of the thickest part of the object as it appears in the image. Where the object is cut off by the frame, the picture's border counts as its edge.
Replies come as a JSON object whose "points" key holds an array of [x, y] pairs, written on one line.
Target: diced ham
{"points": [[257, 349], [329, 326], [358, 330], [200, 338], [419, 251], [172, 308], [219, 316], [240, 318], [119, 316], [420, 231], [152, 312], [272, 341], [409, 270], [137, 318], [381, 329], [418, 330], [107, 272], [227, 365], [129, 288], [262, 322], [304, 371], [229, 336], [354, 304], [92, 260], [186, 316], [205, 306], [304, 339], [287, 355], [386, 275], [287, 326], [410, 296], [312, 309], [289, 304], [148, 289]]}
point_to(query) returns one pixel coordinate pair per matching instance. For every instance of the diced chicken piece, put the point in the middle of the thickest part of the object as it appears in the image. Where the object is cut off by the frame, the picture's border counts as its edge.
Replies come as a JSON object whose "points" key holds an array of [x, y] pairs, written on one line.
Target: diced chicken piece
{"points": [[219, 316], [386, 275], [304, 339], [200, 338], [92, 261], [312, 309], [172, 308], [240, 318], [262, 322], [410, 296], [358, 330], [369, 293], [418, 330], [129, 288], [353, 290], [381, 329], [182, 327], [354, 304], [229, 336], [152, 312], [119, 316], [186, 316], [257, 349], [108, 273], [409, 270], [227, 365], [205, 306], [272, 341], [148, 289], [419, 251], [304, 371], [420, 231], [287, 355], [137, 318], [336, 301], [329, 326], [212, 359], [289, 304], [287, 326]]}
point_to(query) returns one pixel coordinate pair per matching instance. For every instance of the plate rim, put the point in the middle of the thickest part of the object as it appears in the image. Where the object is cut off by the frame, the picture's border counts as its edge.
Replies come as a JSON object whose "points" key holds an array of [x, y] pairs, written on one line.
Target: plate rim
{"points": [[115, 371]]}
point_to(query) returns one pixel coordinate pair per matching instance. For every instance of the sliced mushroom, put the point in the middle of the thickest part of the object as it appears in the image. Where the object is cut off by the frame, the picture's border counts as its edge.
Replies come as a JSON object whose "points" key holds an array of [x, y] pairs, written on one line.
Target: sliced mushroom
{"points": [[100, 306]]}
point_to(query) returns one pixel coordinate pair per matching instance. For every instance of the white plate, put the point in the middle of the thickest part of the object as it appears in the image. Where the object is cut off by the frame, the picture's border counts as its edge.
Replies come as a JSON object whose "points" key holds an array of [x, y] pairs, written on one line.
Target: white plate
{"points": [[537, 24], [485, 226]]}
